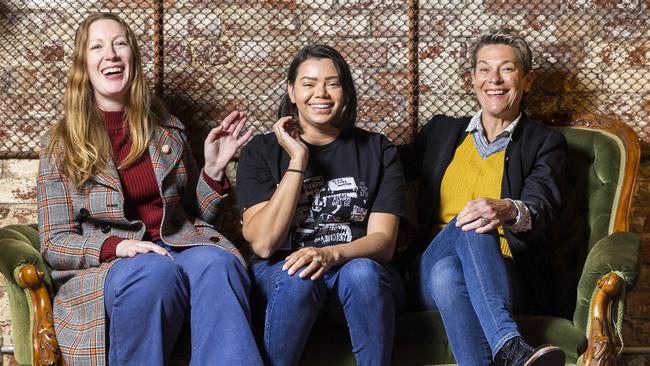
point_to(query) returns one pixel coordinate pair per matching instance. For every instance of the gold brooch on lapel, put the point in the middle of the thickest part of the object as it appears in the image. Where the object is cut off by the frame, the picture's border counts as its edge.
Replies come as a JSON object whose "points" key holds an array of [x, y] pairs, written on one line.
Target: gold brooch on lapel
{"points": [[166, 149]]}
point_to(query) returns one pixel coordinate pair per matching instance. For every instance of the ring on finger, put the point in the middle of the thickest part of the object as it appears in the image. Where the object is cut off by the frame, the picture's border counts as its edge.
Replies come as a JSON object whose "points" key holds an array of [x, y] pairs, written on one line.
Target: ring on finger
{"points": [[485, 221]]}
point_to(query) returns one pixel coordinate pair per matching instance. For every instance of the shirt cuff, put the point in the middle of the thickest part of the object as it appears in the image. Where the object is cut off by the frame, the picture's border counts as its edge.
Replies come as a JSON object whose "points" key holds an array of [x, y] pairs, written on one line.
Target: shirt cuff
{"points": [[523, 221], [220, 187], [109, 248]]}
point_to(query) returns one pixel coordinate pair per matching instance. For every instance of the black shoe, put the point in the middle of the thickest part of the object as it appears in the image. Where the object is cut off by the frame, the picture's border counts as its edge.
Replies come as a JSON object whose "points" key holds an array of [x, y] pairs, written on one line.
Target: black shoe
{"points": [[515, 352]]}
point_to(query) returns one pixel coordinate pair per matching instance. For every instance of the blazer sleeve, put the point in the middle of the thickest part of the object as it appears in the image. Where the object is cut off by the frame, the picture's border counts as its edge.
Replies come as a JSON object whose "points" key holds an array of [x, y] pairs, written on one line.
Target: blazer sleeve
{"points": [[200, 199], [543, 186], [59, 226]]}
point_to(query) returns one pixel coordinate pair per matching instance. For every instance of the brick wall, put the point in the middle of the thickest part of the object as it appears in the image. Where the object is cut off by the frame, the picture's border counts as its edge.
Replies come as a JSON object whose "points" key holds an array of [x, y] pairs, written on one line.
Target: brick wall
{"points": [[590, 55], [17, 206]]}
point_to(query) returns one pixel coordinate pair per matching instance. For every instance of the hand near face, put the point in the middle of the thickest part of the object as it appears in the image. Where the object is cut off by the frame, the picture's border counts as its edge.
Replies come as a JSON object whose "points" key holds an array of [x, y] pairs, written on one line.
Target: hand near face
{"points": [[486, 214], [222, 143], [290, 141], [315, 262], [131, 248]]}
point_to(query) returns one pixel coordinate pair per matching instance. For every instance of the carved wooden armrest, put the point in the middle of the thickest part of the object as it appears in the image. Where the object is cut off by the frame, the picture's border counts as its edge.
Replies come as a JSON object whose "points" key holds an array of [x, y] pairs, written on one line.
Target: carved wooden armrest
{"points": [[45, 347], [601, 349]]}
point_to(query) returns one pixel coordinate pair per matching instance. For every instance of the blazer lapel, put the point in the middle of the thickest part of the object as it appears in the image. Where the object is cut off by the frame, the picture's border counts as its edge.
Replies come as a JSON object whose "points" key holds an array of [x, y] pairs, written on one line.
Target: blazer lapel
{"points": [[111, 178], [165, 150]]}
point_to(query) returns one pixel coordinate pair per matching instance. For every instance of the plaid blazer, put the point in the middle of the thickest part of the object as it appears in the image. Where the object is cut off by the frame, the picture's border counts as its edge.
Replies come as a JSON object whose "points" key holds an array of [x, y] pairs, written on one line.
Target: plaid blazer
{"points": [[73, 224]]}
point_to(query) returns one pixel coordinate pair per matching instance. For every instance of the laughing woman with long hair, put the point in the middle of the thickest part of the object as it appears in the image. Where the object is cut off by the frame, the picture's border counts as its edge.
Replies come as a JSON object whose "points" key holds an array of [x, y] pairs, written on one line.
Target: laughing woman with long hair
{"points": [[125, 219]]}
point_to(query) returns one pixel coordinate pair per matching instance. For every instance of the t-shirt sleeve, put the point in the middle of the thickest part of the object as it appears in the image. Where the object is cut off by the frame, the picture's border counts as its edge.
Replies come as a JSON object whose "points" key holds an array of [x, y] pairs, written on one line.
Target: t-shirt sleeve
{"points": [[390, 192], [255, 182]]}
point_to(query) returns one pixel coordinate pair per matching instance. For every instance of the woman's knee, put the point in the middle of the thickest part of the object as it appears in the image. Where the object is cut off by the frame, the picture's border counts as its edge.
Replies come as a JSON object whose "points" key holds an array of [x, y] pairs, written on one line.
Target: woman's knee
{"points": [[302, 289], [148, 276], [215, 263], [446, 282], [364, 274]]}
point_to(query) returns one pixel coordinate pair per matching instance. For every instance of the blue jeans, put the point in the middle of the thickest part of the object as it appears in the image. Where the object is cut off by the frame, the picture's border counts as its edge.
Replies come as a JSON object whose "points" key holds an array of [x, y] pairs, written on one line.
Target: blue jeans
{"points": [[464, 276], [149, 297], [362, 292]]}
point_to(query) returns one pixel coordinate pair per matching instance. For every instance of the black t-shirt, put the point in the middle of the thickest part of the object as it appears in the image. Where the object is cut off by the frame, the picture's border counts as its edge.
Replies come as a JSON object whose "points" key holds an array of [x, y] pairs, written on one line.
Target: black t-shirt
{"points": [[345, 180]]}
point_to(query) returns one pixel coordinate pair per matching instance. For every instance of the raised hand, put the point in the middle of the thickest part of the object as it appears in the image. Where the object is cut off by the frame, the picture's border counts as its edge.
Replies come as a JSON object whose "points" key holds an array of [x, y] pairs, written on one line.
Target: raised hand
{"points": [[291, 143], [222, 143]]}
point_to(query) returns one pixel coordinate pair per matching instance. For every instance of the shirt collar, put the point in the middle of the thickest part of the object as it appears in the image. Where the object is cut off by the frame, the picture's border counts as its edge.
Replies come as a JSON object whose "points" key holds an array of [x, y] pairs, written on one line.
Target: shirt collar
{"points": [[475, 125]]}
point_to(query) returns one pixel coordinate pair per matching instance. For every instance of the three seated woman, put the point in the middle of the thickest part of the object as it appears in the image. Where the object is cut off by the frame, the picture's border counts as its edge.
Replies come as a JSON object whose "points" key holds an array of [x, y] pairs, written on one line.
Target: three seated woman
{"points": [[125, 216]]}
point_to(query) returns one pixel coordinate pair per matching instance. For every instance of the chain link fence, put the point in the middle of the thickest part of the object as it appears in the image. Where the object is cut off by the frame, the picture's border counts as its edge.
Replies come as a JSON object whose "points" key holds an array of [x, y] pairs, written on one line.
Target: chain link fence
{"points": [[409, 58]]}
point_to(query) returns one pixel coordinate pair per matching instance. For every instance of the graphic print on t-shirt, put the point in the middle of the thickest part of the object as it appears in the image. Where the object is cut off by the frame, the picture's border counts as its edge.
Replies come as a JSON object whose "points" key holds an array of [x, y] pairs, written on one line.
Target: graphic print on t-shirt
{"points": [[326, 209]]}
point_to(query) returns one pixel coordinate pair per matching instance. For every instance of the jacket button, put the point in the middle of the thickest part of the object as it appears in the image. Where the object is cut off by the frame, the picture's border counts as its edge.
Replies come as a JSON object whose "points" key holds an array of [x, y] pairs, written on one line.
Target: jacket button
{"points": [[215, 239], [84, 214], [105, 228], [166, 149]]}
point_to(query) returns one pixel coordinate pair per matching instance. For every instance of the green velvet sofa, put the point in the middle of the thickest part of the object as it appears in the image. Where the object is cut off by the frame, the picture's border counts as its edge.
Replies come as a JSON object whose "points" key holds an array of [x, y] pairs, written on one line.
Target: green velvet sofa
{"points": [[593, 271]]}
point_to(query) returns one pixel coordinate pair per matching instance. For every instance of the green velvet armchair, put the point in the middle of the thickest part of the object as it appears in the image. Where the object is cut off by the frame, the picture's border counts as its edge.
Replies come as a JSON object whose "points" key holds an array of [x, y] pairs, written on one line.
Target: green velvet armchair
{"points": [[593, 270]]}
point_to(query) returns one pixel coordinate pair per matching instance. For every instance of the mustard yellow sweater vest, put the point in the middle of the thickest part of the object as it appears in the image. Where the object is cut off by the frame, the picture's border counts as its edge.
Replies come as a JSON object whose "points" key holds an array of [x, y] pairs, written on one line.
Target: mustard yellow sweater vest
{"points": [[469, 177]]}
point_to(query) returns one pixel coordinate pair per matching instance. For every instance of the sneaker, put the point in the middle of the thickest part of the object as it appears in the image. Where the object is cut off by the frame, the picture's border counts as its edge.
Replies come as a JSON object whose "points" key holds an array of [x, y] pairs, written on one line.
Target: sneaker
{"points": [[515, 352]]}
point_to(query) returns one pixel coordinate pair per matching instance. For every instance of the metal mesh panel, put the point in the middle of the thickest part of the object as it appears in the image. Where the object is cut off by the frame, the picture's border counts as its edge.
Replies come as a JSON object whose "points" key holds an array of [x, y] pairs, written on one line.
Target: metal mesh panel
{"points": [[216, 56]]}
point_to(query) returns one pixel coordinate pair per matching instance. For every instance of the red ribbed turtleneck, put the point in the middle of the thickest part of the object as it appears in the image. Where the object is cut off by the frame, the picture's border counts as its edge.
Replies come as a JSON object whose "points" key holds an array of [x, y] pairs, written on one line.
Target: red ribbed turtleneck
{"points": [[142, 199]]}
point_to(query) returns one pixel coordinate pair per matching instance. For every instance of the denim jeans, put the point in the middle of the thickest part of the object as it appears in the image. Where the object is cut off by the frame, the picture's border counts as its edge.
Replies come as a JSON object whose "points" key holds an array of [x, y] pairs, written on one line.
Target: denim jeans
{"points": [[362, 292], [464, 276], [149, 297]]}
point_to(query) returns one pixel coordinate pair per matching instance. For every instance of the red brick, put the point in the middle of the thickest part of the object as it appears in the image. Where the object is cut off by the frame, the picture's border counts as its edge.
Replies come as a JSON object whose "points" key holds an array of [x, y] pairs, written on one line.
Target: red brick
{"points": [[176, 52], [288, 4], [638, 304], [133, 4], [24, 216], [390, 22], [52, 53], [559, 56], [262, 21], [4, 212], [603, 5], [531, 6], [644, 250], [11, 360], [363, 53], [392, 82], [626, 26], [644, 168], [266, 53], [211, 53]]}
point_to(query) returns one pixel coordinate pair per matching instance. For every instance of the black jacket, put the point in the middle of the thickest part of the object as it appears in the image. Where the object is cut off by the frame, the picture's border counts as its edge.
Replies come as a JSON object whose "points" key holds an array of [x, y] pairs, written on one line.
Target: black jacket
{"points": [[533, 173]]}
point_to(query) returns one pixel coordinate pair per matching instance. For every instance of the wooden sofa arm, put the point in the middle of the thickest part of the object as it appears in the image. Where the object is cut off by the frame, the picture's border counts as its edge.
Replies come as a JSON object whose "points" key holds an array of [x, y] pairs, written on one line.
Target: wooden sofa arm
{"points": [[45, 346], [601, 349]]}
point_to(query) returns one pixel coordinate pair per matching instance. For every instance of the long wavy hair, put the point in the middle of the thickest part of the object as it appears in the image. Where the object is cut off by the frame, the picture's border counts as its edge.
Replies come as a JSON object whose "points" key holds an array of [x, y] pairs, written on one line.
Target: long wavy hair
{"points": [[79, 142]]}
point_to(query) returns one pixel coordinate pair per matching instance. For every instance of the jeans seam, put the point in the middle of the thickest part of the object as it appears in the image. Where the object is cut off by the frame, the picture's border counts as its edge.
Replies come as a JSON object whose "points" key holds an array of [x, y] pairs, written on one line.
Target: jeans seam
{"points": [[269, 311], [481, 285]]}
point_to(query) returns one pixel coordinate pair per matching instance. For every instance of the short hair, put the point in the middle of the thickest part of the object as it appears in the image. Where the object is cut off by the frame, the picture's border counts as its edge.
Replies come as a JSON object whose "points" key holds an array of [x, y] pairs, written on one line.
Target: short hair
{"points": [[319, 51], [508, 37]]}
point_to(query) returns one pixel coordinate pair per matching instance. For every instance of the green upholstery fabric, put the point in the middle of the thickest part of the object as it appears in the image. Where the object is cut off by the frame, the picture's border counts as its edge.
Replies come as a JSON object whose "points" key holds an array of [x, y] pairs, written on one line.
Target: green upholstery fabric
{"points": [[618, 252], [594, 168], [18, 246]]}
